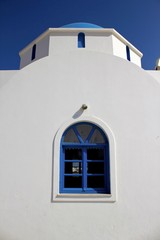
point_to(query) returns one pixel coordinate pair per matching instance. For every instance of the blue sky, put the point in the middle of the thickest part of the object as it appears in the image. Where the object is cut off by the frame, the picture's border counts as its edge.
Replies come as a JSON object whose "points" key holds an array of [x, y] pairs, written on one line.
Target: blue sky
{"points": [[21, 21]]}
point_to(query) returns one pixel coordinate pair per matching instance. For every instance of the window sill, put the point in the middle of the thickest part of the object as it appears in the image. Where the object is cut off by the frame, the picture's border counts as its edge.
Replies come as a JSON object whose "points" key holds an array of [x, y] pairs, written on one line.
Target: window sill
{"points": [[84, 198]]}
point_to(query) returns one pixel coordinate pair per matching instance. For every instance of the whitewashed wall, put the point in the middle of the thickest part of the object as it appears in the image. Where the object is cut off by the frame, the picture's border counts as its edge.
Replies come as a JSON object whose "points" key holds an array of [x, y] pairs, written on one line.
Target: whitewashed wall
{"points": [[99, 40], [119, 48], [35, 103], [42, 50], [93, 42], [135, 58]]}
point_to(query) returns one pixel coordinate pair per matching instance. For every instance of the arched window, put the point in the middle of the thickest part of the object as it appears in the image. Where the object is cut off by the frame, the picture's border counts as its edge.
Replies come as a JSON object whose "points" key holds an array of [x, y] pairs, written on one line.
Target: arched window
{"points": [[84, 165], [33, 52], [81, 40]]}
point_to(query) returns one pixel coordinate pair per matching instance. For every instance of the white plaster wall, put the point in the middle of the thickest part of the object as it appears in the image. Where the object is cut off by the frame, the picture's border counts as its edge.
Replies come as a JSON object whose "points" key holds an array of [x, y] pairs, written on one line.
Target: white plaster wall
{"points": [[5, 76], [96, 42], [25, 58], [61, 43], [155, 74], [34, 104], [135, 58], [99, 43], [42, 48], [119, 48]]}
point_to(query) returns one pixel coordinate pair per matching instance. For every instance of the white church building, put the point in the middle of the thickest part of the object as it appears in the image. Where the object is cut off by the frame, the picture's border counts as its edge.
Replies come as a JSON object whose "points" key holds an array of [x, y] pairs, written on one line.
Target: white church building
{"points": [[80, 140]]}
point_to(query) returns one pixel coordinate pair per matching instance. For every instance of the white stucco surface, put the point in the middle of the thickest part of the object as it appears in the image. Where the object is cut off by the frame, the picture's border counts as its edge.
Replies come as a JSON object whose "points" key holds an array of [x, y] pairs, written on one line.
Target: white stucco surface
{"points": [[42, 50], [155, 74], [55, 41], [135, 58], [6, 76], [119, 48], [34, 103]]}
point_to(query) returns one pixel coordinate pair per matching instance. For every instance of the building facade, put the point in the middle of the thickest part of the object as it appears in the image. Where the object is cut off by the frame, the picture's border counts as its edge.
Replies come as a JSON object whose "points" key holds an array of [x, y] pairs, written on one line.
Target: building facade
{"points": [[80, 139]]}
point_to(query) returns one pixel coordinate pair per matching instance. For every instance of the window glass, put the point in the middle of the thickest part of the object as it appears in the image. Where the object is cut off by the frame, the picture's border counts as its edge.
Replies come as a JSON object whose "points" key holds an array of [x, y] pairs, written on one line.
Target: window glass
{"points": [[71, 137], [73, 154], [97, 137], [73, 167], [73, 182], [84, 131], [95, 181], [95, 167], [95, 154]]}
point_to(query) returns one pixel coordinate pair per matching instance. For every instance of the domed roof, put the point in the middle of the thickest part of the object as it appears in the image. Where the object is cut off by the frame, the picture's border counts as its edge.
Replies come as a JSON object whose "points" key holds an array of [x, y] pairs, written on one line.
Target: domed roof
{"points": [[81, 25]]}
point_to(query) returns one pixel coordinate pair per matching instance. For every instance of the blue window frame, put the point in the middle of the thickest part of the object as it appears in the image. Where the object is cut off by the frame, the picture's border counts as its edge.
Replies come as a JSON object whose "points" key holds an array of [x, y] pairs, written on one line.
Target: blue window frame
{"points": [[84, 161], [81, 40]]}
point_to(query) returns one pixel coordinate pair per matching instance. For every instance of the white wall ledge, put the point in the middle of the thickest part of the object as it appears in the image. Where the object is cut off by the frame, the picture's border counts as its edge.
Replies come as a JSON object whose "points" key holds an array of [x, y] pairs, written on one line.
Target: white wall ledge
{"points": [[84, 198]]}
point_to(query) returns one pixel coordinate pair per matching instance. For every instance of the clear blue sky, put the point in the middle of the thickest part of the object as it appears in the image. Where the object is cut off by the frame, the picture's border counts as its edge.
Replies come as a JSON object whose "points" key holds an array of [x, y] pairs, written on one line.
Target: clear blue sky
{"points": [[21, 21]]}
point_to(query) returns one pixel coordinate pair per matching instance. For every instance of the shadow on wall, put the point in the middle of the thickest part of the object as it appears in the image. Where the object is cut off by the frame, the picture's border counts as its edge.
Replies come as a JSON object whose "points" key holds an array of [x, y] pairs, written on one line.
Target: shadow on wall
{"points": [[78, 113]]}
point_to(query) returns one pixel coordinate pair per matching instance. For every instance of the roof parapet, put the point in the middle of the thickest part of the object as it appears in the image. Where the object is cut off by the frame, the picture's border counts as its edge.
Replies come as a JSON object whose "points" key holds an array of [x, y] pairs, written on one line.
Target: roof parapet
{"points": [[103, 31]]}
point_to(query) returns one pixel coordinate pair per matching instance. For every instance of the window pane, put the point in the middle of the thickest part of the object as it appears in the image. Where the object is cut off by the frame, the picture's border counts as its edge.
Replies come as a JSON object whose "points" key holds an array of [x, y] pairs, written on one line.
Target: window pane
{"points": [[73, 182], [95, 181], [71, 137], [73, 154], [95, 167], [84, 131], [73, 167], [97, 137], [95, 154]]}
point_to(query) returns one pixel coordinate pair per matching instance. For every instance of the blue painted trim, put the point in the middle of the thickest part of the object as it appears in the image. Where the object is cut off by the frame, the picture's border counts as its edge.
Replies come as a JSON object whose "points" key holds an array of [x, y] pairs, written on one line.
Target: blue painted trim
{"points": [[75, 145], [84, 170], [74, 160], [62, 169], [73, 174], [77, 134], [90, 135], [107, 169], [81, 191]]}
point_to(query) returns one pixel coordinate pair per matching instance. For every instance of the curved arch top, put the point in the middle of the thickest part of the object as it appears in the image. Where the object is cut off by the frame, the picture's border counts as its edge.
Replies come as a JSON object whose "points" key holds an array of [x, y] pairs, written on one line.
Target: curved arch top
{"points": [[92, 119], [81, 25], [83, 133]]}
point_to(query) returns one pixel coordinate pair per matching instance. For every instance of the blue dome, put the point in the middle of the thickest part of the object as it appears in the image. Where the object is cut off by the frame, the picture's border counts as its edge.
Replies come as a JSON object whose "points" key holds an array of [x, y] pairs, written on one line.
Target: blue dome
{"points": [[81, 25]]}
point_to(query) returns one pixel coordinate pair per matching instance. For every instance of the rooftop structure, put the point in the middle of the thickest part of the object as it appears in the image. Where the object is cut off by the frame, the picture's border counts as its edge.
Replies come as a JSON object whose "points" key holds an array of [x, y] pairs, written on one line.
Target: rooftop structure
{"points": [[66, 39]]}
